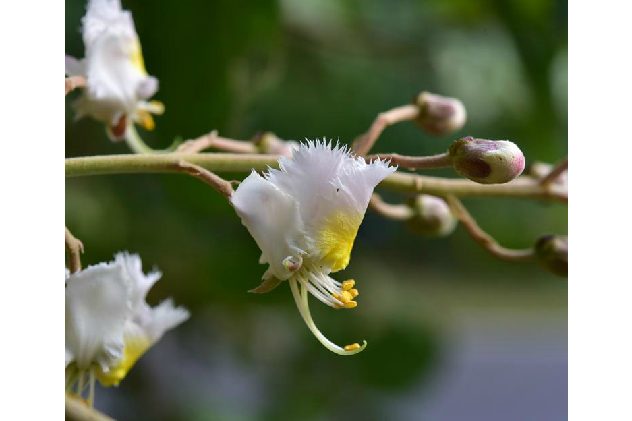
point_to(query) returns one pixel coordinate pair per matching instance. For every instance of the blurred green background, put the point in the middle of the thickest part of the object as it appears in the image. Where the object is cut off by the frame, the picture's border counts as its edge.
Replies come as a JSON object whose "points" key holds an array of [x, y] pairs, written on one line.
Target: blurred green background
{"points": [[453, 333]]}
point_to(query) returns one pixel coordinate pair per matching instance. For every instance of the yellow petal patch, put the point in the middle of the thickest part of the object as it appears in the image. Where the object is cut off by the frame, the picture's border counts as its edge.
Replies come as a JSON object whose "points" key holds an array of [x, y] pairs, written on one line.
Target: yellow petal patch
{"points": [[336, 238], [137, 58], [134, 348]]}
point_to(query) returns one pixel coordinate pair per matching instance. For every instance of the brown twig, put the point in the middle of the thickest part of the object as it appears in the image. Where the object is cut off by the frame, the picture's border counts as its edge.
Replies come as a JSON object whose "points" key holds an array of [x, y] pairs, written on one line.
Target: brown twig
{"points": [[482, 238], [415, 162], [73, 82], [76, 410], [222, 186], [212, 140], [363, 144], [74, 248], [555, 172], [396, 212]]}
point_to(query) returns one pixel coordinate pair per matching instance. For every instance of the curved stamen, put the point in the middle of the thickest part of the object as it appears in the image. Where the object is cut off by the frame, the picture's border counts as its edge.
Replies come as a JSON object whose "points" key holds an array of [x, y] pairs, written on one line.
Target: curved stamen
{"points": [[301, 299], [91, 393]]}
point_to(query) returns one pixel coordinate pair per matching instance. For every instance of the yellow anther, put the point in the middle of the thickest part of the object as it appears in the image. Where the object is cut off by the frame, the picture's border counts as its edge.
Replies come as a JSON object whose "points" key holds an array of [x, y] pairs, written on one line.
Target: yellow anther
{"points": [[336, 296], [146, 120], [354, 292], [345, 296], [351, 304], [352, 347], [348, 284], [156, 107]]}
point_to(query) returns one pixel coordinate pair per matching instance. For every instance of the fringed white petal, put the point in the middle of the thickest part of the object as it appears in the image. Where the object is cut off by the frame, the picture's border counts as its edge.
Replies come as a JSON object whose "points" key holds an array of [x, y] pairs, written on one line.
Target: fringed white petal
{"points": [[325, 180], [153, 322], [332, 189], [106, 15], [273, 219], [141, 283], [161, 318], [97, 307]]}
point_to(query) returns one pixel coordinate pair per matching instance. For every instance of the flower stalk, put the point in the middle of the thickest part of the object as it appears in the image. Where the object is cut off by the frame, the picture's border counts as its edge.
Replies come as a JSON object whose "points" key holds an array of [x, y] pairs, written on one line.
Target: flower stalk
{"points": [[555, 172], [74, 248], [138, 146], [219, 184], [396, 212], [74, 82], [363, 144], [212, 140], [441, 160], [485, 240], [522, 187]]}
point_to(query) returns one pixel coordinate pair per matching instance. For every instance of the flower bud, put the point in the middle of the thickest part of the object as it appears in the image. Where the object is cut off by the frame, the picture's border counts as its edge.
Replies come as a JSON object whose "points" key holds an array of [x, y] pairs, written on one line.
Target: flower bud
{"points": [[269, 143], [439, 115], [551, 252], [431, 217], [487, 161]]}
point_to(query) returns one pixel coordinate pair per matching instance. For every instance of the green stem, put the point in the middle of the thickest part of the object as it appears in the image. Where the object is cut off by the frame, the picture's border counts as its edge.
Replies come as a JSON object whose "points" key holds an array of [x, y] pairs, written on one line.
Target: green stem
{"points": [[523, 187], [136, 144]]}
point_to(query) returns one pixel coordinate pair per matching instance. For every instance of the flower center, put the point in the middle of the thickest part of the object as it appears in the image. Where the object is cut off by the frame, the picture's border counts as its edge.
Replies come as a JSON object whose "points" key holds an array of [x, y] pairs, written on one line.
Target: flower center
{"points": [[326, 289]]}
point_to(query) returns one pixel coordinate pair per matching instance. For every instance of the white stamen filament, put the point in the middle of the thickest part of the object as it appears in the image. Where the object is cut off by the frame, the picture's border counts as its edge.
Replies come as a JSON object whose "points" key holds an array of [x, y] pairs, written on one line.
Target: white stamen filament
{"points": [[76, 379], [301, 299], [320, 285], [91, 393], [80, 384]]}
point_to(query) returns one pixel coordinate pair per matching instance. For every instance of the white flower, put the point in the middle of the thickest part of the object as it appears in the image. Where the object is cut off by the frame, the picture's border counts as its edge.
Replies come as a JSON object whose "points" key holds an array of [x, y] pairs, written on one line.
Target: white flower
{"points": [[108, 323], [118, 85], [305, 217]]}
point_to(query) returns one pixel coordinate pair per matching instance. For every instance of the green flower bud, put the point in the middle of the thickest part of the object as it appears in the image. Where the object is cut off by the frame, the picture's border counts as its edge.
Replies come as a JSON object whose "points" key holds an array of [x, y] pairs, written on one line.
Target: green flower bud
{"points": [[439, 115], [486, 161], [551, 252], [431, 217]]}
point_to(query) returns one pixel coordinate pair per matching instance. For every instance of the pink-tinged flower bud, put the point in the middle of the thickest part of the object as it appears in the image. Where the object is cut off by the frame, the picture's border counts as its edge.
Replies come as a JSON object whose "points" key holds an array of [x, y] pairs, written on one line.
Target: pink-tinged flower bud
{"points": [[551, 252], [439, 115], [431, 217], [486, 161], [269, 143]]}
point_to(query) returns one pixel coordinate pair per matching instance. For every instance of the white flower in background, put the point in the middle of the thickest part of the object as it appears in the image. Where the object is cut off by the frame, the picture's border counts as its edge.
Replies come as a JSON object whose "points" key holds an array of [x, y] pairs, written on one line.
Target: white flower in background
{"points": [[304, 218], [108, 323], [118, 85]]}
